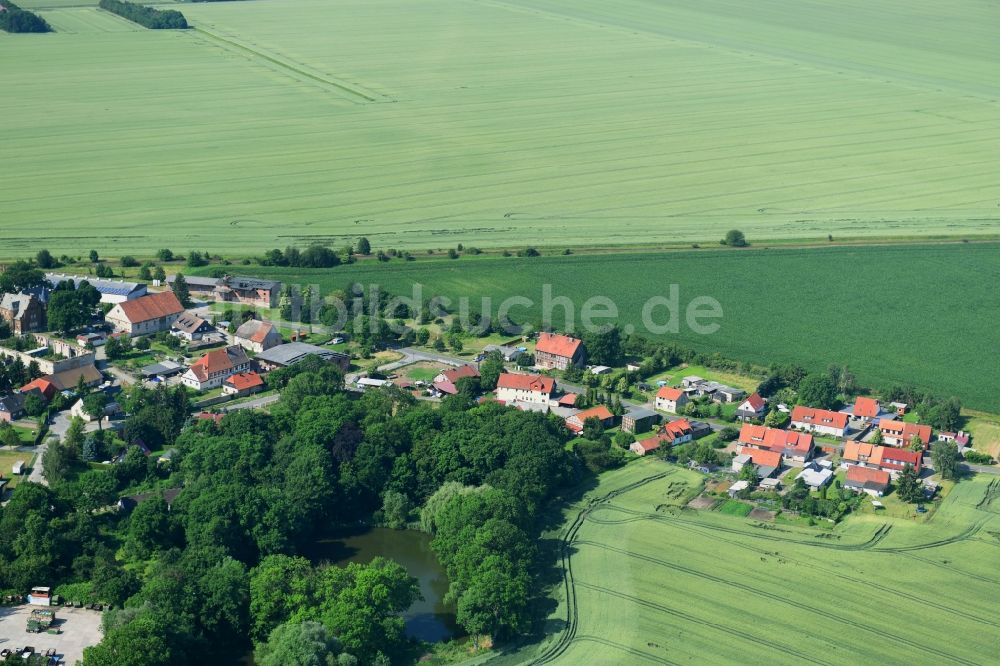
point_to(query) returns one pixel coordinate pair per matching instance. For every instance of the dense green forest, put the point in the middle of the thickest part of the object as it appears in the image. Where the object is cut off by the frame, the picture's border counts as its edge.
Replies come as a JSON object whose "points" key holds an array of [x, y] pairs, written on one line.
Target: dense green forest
{"points": [[149, 17], [15, 19], [219, 570]]}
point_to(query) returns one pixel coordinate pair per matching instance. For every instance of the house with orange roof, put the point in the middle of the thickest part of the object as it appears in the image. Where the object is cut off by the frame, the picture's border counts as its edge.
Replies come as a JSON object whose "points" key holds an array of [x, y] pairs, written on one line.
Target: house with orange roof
{"points": [[559, 352], [875, 482], [866, 409], [766, 462], [44, 387], [514, 388], [676, 432], [819, 421], [791, 445], [599, 412], [145, 315], [215, 367], [669, 399], [242, 383], [645, 446], [752, 408], [899, 433], [885, 458]]}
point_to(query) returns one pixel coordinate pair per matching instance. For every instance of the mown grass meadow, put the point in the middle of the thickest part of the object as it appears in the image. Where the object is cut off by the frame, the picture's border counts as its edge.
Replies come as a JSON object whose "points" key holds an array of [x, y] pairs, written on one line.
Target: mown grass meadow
{"points": [[499, 123], [649, 582]]}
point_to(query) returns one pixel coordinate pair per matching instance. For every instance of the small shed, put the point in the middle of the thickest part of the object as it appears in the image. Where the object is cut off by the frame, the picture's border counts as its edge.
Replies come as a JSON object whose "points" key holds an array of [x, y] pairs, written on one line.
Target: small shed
{"points": [[18, 467], [737, 487], [770, 484]]}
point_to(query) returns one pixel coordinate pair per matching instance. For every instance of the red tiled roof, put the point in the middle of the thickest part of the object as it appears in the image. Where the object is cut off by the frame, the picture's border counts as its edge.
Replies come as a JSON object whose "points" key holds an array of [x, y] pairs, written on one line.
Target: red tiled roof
{"points": [[669, 393], [764, 457], [867, 475], [217, 360], [854, 451], [600, 411], [568, 400], [894, 458], [648, 445], [867, 407], [756, 402], [208, 416], [904, 430], [245, 380], [47, 388], [539, 383], [455, 374], [775, 439], [679, 427], [557, 345], [819, 417], [151, 306]]}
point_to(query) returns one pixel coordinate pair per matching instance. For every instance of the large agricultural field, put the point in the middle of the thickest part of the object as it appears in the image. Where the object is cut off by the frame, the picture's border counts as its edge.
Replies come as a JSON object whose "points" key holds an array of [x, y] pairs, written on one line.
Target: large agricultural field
{"points": [[421, 123], [910, 315], [649, 582]]}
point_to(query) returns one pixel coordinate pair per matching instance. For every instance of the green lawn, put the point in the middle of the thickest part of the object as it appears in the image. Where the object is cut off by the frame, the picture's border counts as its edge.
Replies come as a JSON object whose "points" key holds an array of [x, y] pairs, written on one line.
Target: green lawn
{"points": [[654, 584], [550, 122], [735, 508]]}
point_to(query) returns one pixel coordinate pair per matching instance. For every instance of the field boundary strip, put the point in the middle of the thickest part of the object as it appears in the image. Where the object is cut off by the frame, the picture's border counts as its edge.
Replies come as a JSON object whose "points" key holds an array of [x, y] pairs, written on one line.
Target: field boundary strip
{"points": [[296, 68]]}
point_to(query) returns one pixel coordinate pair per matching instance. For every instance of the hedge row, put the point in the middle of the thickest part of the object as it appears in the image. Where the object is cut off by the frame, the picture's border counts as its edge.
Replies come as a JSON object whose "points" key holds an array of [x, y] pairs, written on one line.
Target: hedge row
{"points": [[15, 19], [154, 19]]}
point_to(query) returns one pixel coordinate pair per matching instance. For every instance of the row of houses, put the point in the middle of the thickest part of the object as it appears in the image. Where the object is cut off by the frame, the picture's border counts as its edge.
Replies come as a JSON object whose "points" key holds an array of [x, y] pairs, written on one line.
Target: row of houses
{"points": [[233, 289], [673, 399]]}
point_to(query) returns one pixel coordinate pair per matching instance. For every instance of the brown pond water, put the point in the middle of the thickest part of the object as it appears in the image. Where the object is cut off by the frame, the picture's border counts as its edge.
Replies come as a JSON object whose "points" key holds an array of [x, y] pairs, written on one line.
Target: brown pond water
{"points": [[429, 620]]}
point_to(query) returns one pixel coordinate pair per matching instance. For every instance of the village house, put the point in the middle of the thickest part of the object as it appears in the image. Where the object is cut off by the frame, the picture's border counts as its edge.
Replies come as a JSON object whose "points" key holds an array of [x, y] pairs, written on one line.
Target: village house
{"points": [[509, 354], [886, 458], [112, 291], [866, 409], [894, 460], [753, 408], [815, 476], [793, 446], [558, 352], [248, 290], [23, 313], [42, 387], [766, 462], [599, 412], [242, 384], [874, 482], [819, 421], [639, 419], [257, 336], [899, 433], [190, 327], [447, 381], [645, 446], [11, 407], [78, 411], [961, 438], [215, 367], [145, 315], [68, 380], [670, 399], [291, 353], [536, 389], [675, 432]]}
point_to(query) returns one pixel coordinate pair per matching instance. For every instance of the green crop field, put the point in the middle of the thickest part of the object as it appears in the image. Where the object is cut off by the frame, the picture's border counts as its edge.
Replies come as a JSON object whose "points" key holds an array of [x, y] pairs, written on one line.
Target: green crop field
{"points": [[913, 315], [422, 123], [647, 582]]}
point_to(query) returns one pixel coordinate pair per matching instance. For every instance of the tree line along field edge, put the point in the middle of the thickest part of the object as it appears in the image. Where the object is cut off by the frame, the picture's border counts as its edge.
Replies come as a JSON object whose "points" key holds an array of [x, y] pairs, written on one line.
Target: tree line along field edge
{"points": [[908, 315]]}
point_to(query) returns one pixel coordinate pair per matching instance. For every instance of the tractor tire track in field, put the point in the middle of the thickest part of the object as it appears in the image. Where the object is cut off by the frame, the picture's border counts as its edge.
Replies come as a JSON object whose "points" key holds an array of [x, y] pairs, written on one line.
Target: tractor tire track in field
{"points": [[771, 596], [296, 68], [626, 648], [565, 556], [870, 544], [868, 582], [726, 629]]}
